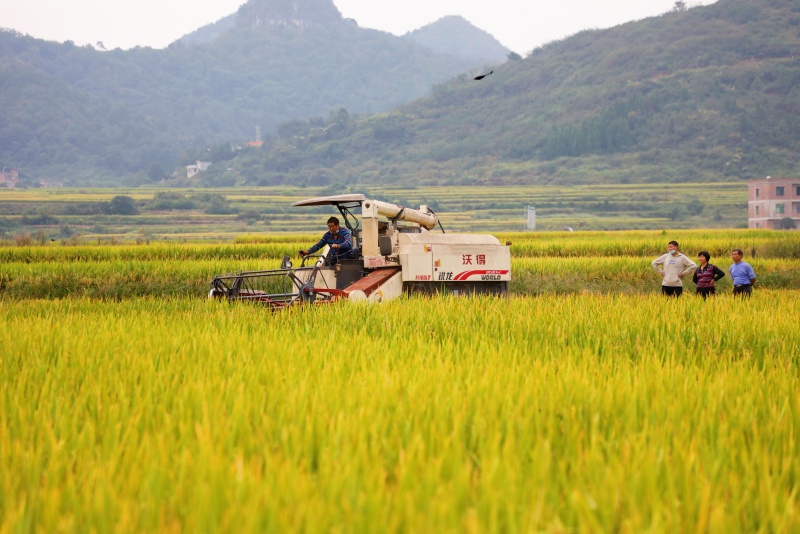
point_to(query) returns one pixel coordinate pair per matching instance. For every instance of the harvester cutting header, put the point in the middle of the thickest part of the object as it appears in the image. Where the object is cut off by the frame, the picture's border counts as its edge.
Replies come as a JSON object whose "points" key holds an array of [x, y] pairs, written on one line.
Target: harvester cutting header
{"points": [[387, 259]]}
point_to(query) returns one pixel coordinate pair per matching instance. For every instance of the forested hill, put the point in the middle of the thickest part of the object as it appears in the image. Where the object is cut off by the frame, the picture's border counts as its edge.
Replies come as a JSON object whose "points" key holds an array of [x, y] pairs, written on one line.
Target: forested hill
{"points": [[708, 93], [81, 115], [456, 36]]}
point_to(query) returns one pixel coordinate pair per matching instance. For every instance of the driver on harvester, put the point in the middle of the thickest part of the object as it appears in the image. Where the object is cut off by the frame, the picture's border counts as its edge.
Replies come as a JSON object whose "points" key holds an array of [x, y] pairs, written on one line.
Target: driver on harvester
{"points": [[340, 241]]}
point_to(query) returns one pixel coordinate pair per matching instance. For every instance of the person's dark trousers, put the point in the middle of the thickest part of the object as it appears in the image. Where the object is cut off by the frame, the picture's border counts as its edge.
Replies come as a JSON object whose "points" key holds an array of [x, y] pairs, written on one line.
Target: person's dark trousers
{"points": [[706, 291], [671, 291], [744, 290]]}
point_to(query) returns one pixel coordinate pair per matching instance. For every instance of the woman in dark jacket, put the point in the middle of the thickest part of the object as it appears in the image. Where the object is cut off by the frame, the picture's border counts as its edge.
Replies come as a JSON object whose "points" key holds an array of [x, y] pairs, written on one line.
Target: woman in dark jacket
{"points": [[706, 275]]}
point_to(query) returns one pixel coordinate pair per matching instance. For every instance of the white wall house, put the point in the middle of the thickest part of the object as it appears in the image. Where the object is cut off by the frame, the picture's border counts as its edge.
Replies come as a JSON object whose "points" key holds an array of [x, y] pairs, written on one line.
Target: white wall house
{"points": [[198, 167]]}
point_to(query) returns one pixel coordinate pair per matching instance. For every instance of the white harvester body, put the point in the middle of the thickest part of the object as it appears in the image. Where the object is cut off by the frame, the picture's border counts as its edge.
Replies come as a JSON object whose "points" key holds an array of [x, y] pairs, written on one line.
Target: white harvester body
{"points": [[391, 259]]}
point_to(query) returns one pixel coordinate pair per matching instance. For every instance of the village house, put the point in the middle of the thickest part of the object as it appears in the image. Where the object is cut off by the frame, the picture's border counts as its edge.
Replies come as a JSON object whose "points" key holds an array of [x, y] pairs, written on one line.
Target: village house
{"points": [[200, 166], [10, 177], [772, 202]]}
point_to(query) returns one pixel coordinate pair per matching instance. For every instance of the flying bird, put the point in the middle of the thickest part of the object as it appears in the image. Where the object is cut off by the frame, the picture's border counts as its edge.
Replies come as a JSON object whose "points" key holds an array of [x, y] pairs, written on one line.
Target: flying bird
{"points": [[482, 76]]}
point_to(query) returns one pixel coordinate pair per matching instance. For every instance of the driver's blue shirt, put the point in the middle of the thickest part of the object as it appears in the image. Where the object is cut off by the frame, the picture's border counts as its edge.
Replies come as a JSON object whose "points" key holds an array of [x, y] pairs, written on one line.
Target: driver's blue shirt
{"points": [[344, 239]]}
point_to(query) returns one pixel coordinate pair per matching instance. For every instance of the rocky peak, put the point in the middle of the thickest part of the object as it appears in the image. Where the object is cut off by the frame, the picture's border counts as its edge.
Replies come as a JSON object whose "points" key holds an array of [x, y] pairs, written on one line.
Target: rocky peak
{"points": [[292, 13]]}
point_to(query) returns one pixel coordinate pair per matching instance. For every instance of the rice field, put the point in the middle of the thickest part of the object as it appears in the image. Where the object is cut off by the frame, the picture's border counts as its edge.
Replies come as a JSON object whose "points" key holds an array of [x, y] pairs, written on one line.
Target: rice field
{"points": [[557, 413], [62, 213], [542, 262], [583, 402]]}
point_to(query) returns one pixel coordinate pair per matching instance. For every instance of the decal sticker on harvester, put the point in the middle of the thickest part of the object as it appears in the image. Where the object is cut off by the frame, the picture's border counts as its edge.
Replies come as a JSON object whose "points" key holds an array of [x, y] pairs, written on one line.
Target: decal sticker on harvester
{"points": [[480, 259], [484, 274]]}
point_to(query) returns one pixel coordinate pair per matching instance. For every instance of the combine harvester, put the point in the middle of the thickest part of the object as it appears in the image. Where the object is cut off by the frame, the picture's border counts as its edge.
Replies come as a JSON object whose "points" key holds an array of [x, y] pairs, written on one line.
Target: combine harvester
{"points": [[391, 259]]}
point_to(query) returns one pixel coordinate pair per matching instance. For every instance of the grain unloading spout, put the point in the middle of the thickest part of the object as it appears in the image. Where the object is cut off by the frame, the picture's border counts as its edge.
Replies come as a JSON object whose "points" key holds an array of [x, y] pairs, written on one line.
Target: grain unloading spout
{"points": [[426, 218], [372, 208], [377, 244]]}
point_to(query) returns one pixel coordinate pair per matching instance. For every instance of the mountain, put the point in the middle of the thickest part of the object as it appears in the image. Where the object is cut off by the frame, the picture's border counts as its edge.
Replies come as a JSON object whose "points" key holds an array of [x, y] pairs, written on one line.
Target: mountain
{"points": [[709, 93], [287, 13], [454, 35], [209, 32], [85, 116]]}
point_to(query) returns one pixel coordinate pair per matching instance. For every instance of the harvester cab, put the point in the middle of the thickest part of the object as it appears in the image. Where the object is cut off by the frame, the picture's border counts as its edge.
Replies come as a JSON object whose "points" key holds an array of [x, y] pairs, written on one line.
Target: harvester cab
{"points": [[397, 251]]}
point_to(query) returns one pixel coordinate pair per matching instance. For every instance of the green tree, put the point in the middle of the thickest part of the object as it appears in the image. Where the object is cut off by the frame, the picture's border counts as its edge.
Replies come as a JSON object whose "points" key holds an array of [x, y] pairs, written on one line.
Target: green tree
{"points": [[156, 172], [122, 205], [220, 152]]}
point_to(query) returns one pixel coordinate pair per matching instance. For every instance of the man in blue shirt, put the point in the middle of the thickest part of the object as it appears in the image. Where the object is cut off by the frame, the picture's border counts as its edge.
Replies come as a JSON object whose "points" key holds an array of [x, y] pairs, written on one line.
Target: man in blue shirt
{"points": [[340, 241], [742, 274]]}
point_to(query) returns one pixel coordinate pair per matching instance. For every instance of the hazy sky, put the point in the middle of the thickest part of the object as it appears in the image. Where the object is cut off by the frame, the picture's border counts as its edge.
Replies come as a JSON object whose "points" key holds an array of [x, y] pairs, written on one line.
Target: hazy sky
{"points": [[521, 25]]}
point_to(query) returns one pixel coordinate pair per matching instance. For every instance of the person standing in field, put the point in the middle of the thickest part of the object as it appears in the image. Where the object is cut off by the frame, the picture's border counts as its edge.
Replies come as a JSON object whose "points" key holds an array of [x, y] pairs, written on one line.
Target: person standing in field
{"points": [[672, 267], [706, 276], [744, 278]]}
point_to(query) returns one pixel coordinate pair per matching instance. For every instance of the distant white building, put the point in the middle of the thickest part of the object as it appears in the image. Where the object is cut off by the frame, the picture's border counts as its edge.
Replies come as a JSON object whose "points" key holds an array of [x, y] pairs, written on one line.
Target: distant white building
{"points": [[198, 167]]}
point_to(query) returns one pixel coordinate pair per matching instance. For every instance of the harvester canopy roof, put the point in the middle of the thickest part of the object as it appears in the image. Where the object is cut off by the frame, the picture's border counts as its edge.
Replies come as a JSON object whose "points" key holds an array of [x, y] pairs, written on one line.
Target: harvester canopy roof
{"points": [[331, 201]]}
